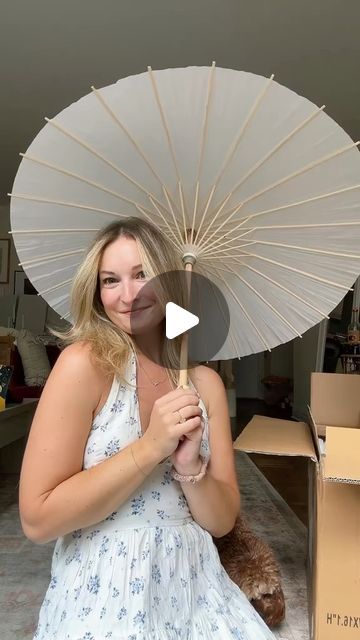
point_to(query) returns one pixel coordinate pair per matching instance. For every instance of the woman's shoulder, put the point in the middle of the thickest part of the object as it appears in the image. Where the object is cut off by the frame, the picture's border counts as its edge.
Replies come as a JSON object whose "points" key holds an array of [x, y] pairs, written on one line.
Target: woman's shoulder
{"points": [[79, 351], [202, 374], [77, 357], [76, 365], [207, 382]]}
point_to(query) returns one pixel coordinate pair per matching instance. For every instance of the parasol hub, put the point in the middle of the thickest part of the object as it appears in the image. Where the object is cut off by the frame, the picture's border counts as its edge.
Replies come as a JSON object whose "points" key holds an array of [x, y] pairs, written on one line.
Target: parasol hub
{"points": [[189, 258], [190, 254]]}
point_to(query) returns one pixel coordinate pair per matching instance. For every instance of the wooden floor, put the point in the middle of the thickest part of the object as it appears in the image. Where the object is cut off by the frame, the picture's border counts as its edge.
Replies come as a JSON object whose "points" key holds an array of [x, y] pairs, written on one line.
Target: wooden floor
{"points": [[287, 474]]}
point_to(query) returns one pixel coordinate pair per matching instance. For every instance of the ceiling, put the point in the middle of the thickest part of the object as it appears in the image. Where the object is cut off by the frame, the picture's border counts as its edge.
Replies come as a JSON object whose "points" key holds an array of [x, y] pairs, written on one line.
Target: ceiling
{"points": [[51, 52]]}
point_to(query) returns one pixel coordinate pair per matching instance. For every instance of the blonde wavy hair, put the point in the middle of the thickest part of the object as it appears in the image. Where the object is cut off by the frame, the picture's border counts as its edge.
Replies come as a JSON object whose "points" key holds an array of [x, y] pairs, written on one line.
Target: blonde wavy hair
{"points": [[111, 347]]}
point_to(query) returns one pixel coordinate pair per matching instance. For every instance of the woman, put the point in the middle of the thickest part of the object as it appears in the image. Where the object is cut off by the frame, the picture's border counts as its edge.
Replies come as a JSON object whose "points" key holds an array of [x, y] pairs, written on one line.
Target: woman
{"points": [[117, 467]]}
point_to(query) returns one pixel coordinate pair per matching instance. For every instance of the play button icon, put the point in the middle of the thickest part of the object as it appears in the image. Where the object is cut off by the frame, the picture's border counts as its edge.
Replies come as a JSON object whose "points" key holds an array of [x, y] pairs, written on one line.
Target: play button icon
{"points": [[180, 304], [178, 320]]}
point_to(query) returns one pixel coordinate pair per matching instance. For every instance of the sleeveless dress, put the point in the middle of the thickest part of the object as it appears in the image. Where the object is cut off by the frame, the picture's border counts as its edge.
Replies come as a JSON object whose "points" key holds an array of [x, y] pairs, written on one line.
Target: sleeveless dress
{"points": [[148, 571]]}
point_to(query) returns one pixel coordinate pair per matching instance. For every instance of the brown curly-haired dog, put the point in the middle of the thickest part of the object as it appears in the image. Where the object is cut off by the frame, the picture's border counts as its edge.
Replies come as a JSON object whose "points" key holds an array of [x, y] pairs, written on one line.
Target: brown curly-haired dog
{"points": [[251, 564]]}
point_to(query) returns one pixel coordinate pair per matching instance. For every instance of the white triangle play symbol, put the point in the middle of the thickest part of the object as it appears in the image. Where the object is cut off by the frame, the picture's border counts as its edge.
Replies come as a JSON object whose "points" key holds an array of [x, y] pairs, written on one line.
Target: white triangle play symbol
{"points": [[178, 320]]}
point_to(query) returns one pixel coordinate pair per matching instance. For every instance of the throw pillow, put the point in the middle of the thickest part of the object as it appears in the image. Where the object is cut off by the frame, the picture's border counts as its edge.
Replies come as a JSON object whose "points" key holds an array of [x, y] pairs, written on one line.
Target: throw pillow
{"points": [[34, 359]]}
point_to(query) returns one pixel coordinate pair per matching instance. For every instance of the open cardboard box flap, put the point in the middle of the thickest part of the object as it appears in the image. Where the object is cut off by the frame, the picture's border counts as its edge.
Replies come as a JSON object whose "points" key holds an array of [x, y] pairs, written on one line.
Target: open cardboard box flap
{"points": [[276, 437], [334, 400], [342, 461]]}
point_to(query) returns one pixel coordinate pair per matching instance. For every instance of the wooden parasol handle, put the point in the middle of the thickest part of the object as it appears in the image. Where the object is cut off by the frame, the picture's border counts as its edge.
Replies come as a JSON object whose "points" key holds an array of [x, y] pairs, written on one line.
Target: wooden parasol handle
{"points": [[183, 378]]}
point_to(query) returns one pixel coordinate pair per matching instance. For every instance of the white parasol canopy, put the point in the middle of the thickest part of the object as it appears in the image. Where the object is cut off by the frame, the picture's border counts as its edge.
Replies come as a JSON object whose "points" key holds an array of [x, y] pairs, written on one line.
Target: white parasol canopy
{"points": [[266, 182]]}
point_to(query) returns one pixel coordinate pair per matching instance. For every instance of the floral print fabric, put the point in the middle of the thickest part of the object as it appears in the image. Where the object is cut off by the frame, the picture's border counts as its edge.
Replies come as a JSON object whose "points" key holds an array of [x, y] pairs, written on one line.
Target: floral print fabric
{"points": [[148, 571]]}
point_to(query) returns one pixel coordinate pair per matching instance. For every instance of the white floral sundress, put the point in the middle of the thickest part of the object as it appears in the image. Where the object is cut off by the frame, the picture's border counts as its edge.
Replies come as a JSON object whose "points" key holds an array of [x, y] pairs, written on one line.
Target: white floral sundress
{"points": [[148, 571]]}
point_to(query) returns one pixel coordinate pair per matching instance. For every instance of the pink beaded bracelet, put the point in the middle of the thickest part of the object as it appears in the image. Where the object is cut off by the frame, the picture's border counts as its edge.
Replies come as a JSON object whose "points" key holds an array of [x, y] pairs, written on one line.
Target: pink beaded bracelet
{"points": [[191, 478]]}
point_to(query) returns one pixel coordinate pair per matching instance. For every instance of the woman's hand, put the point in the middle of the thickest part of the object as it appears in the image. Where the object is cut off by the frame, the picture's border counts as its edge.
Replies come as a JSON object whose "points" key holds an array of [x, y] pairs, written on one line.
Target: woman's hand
{"points": [[186, 455], [164, 432]]}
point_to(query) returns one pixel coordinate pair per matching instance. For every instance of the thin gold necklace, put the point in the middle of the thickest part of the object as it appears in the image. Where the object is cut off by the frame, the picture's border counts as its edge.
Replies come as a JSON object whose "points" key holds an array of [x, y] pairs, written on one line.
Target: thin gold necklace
{"points": [[155, 383]]}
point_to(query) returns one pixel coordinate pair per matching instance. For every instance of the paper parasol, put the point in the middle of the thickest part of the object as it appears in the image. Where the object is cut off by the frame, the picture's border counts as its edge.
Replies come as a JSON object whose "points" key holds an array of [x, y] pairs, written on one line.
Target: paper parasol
{"points": [[266, 182]]}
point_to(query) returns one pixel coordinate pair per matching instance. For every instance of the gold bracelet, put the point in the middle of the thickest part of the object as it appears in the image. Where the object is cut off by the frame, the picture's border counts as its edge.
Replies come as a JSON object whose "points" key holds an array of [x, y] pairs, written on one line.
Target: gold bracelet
{"points": [[140, 469]]}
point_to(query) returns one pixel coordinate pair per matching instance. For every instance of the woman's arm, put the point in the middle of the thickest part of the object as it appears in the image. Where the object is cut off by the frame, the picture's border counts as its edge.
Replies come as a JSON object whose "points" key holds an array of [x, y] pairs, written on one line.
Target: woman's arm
{"points": [[214, 501], [56, 496]]}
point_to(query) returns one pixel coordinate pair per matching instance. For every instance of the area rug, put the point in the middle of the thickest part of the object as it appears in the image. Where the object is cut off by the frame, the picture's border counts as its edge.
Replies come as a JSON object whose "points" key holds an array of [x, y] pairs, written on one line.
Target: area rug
{"points": [[25, 567], [272, 519]]}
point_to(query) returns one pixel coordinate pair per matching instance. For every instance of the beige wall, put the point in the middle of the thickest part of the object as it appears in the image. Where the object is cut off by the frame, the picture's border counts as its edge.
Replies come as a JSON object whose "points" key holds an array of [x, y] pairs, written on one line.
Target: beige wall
{"points": [[305, 354], [248, 373]]}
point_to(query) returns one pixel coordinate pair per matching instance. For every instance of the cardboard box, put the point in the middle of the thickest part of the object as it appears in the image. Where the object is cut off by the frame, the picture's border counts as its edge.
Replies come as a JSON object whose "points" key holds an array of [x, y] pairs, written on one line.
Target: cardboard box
{"points": [[343, 391], [333, 558]]}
